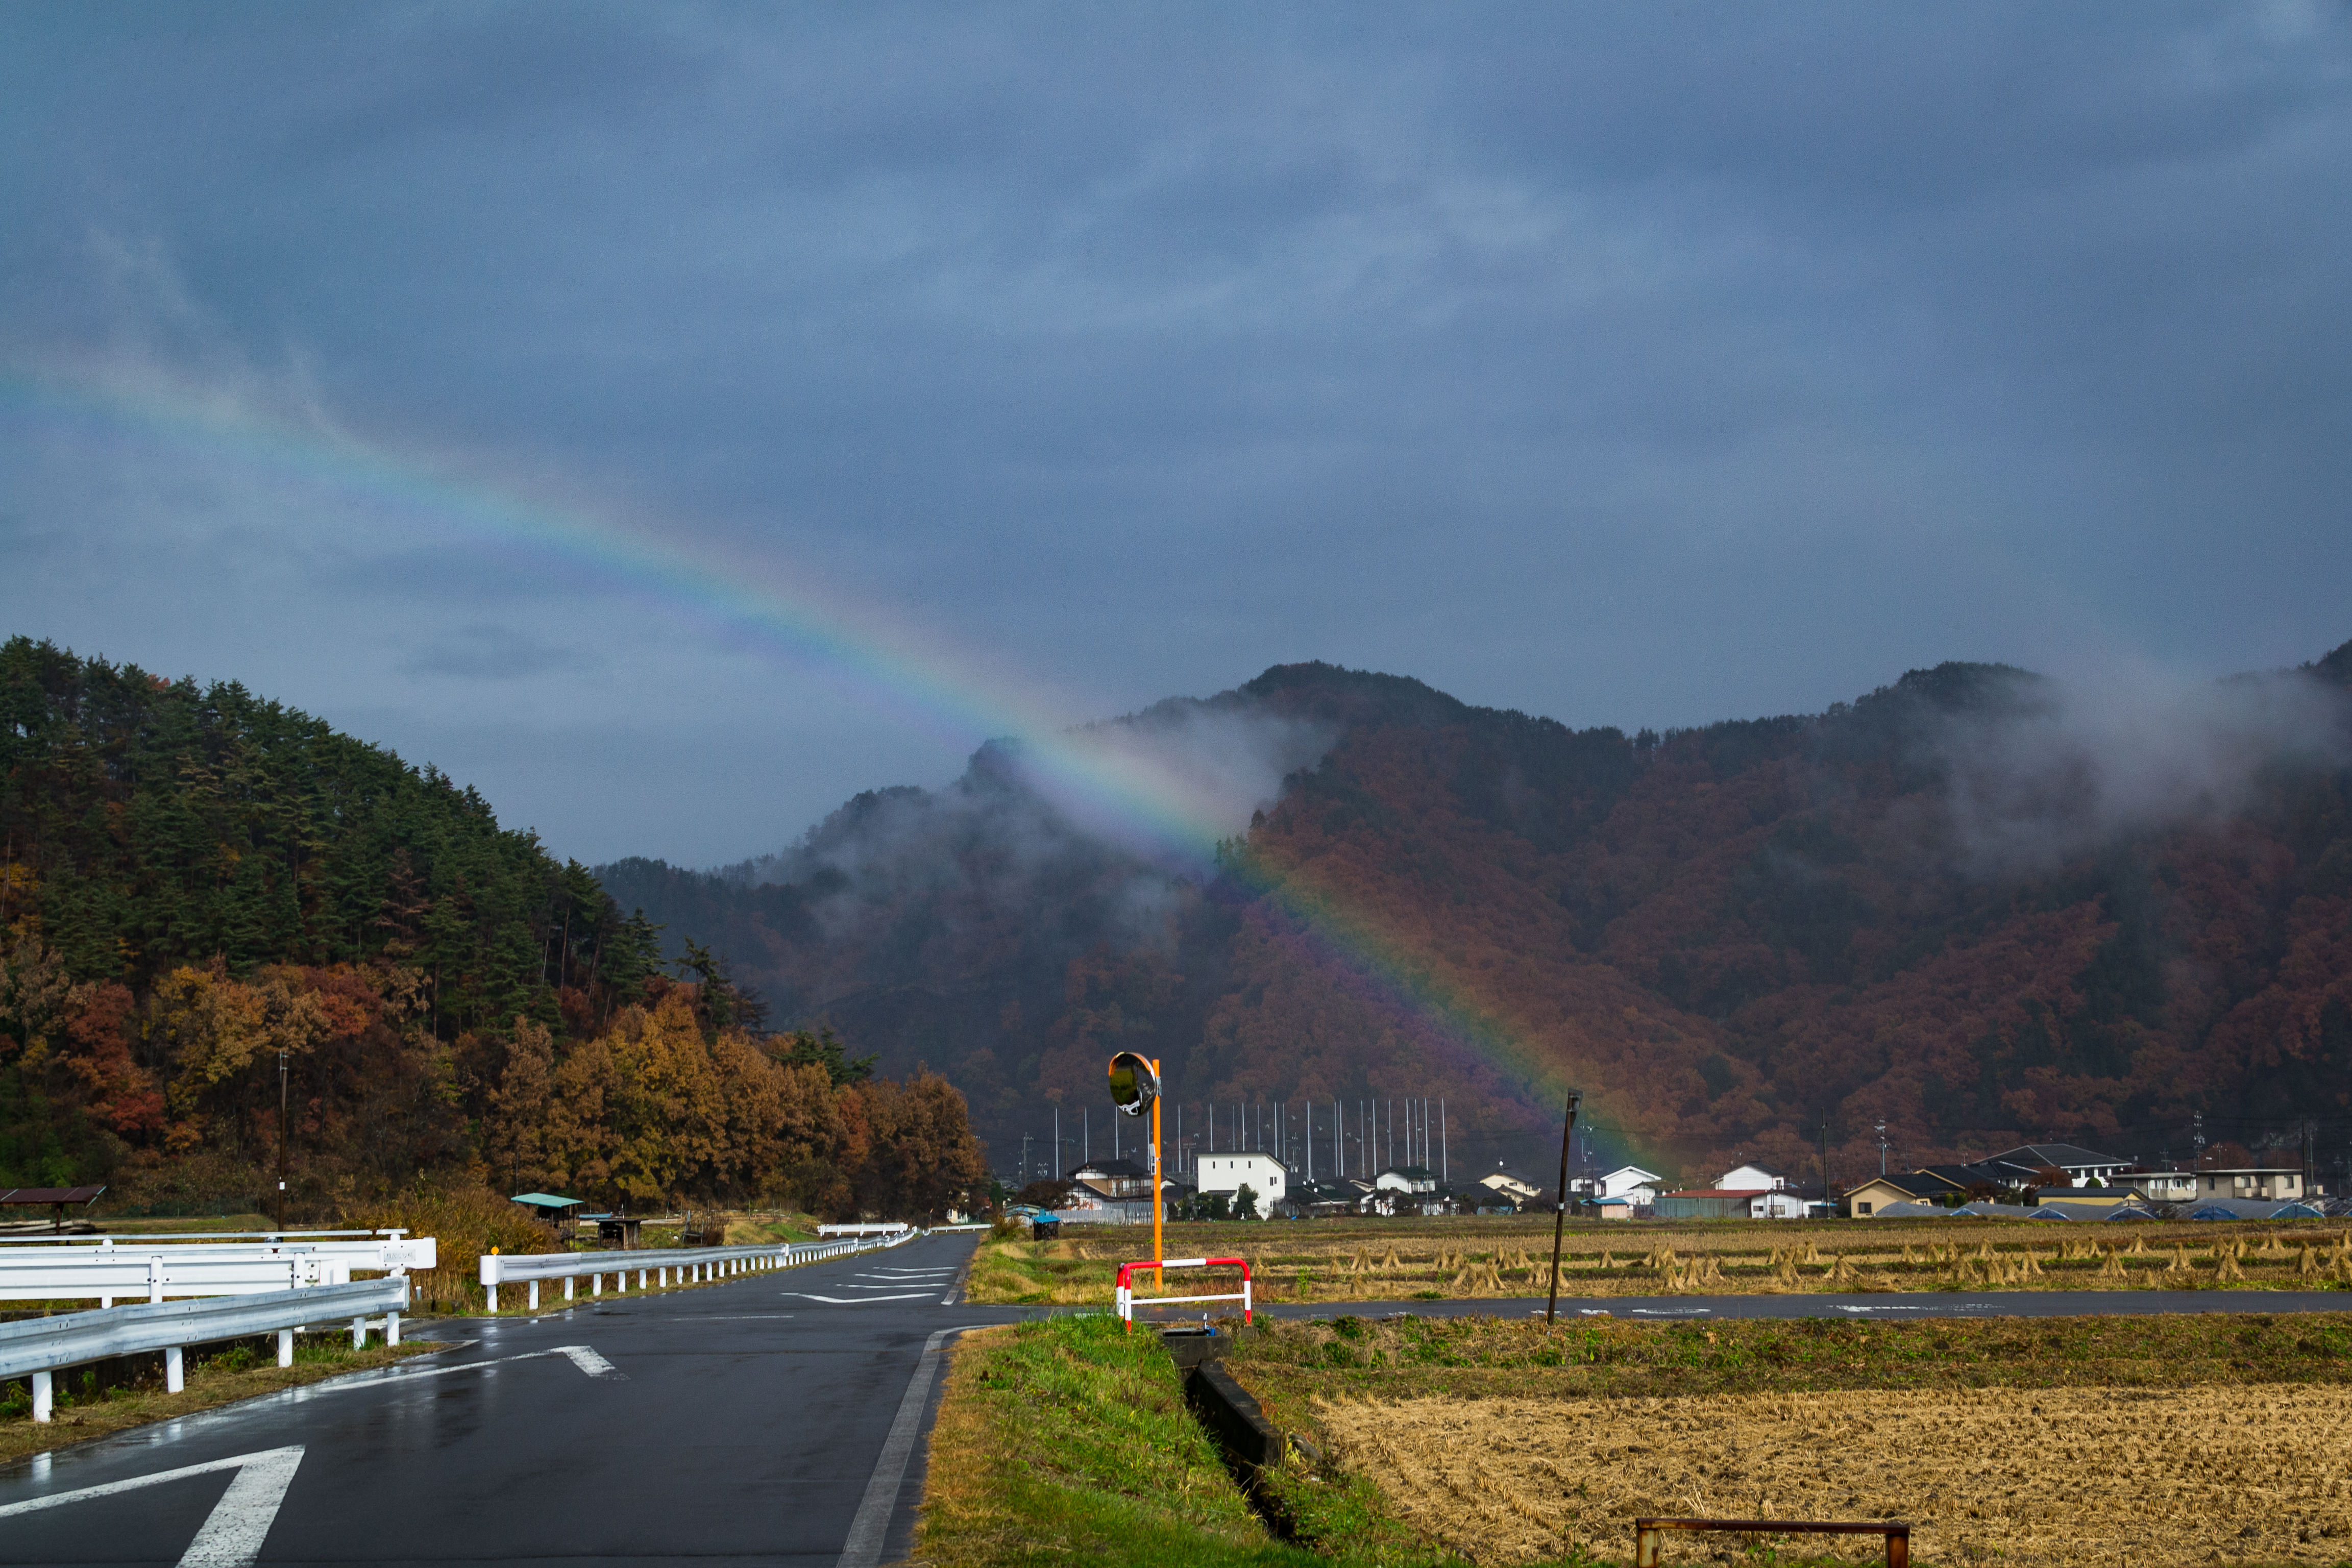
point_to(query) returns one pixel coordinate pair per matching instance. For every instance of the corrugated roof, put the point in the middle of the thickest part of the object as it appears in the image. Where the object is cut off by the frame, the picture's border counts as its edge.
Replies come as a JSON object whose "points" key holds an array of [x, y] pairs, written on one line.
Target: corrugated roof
{"points": [[50, 1195]]}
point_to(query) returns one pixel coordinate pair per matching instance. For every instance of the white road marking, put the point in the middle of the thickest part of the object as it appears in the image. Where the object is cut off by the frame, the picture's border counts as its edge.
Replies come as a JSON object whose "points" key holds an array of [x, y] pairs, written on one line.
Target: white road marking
{"points": [[588, 1360], [410, 1372], [887, 1285], [233, 1533], [871, 1527], [857, 1300]]}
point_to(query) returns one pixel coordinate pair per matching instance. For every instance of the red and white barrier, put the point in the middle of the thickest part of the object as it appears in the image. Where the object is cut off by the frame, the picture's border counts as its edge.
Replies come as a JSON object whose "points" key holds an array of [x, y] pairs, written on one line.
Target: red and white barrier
{"points": [[1128, 1300]]}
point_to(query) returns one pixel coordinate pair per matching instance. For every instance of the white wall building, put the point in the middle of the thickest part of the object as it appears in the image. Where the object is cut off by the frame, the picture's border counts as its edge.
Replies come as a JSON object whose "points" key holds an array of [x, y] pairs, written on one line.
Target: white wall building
{"points": [[1771, 1200], [1227, 1173], [1633, 1184]]}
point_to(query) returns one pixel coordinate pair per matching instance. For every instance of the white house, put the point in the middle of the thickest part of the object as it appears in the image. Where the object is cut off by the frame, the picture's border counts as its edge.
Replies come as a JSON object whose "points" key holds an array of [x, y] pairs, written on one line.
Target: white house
{"points": [[1769, 1196], [1227, 1173], [1518, 1188], [1406, 1179], [1633, 1184]]}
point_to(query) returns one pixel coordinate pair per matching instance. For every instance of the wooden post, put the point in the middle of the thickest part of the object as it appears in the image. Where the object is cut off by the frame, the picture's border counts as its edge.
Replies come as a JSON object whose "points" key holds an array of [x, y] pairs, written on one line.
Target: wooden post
{"points": [[1559, 1220]]}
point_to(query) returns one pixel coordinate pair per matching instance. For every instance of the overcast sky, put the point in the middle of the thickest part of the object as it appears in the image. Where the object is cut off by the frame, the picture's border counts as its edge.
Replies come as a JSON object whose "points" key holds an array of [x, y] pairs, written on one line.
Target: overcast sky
{"points": [[1633, 364]]}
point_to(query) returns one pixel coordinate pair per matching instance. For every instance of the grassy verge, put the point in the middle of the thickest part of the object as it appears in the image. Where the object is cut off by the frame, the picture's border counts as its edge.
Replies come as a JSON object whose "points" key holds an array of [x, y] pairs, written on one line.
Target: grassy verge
{"points": [[759, 1229], [1500, 1259], [217, 1380], [1068, 1441]]}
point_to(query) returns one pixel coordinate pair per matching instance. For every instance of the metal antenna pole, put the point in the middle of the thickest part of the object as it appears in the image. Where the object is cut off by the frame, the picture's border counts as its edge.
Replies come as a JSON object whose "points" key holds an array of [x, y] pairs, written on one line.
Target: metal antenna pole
{"points": [[281, 1140], [1882, 1146], [1560, 1206]]}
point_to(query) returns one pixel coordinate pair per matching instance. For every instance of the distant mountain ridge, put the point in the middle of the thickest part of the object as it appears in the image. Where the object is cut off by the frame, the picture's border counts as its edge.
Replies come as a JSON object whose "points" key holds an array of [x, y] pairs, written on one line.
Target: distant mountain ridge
{"points": [[1976, 904]]}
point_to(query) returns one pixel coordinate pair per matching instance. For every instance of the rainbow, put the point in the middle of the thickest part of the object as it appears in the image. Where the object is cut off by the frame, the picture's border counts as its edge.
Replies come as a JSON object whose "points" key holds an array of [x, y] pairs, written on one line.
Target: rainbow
{"points": [[911, 674]]}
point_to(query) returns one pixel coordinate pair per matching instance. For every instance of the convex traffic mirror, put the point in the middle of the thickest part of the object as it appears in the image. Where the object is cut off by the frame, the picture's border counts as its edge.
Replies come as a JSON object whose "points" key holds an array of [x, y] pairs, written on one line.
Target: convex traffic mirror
{"points": [[1133, 1085]]}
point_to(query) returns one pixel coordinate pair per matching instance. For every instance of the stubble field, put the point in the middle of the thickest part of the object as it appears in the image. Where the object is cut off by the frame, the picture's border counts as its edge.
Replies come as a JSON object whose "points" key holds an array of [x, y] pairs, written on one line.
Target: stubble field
{"points": [[1352, 1260], [2027, 1443]]}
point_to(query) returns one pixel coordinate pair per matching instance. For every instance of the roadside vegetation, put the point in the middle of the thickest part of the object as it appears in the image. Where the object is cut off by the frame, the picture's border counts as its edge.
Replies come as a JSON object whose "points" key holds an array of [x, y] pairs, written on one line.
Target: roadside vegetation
{"points": [[1068, 1441], [1510, 1258]]}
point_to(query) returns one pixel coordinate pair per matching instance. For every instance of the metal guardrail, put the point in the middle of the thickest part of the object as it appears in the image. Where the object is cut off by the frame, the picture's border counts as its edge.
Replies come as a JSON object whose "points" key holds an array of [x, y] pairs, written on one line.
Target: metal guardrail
{"points": [[151, 1273], [654, 1268], [141, 1237], [41, 1346]]}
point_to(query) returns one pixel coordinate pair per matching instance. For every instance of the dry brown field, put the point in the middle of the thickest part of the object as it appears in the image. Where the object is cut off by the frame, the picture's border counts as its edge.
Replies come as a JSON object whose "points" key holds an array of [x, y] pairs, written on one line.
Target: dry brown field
{"points": [[2162, 1439], [2052, 1477], [1509, 1257]]}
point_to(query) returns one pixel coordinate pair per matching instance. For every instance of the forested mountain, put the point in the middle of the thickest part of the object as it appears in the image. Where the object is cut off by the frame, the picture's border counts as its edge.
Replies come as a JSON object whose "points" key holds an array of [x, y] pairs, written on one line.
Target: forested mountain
{"points": [[1977, 904], [192, 881]]}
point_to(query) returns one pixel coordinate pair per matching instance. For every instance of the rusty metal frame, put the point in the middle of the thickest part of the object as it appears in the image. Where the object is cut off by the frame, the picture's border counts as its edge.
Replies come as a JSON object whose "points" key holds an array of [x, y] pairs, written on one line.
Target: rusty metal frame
{"points": [[1650, 1534]]}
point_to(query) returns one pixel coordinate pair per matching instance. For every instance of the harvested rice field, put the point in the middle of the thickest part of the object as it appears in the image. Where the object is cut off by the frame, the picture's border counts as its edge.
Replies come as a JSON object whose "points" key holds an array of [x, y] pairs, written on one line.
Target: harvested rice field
{"points": [[2024, 1442], [2065, 1477], [1349, 1260]]}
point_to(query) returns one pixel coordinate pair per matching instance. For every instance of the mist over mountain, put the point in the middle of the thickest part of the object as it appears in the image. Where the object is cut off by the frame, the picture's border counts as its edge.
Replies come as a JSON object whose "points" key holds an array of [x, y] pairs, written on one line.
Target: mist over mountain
{"points": [[1979, 903]]}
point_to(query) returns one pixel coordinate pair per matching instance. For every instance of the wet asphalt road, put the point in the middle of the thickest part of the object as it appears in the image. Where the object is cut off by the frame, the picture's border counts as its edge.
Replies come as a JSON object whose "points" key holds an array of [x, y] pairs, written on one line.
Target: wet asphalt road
{"points": [[741, 1421]]}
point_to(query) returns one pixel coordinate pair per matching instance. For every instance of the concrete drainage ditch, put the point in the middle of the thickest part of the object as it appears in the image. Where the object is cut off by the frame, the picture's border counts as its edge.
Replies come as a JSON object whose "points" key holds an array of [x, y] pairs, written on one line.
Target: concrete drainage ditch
{"points": [[1249, 1444]]}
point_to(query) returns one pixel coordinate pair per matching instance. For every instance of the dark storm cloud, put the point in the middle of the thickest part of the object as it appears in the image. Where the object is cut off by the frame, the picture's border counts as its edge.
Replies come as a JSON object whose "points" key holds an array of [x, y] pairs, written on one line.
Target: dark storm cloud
{"points": [[1634, 365]]}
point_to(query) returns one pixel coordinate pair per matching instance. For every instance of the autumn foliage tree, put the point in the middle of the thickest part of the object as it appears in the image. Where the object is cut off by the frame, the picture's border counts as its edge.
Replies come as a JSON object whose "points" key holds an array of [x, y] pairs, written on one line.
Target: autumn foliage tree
{"points": [[200, 889]]}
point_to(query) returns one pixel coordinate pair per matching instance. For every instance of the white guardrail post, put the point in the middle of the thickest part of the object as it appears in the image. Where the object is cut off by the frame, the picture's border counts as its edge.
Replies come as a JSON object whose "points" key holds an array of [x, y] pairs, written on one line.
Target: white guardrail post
{"points": [[692, 1263], [39, 1347]]}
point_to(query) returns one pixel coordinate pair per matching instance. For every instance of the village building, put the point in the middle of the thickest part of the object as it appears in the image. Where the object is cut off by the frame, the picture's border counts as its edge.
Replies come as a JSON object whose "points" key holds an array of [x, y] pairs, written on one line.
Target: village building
{"points": [[1632, 1183], [2266, 1184], [1869, 1200], [2159, 1186], [2018, 1167], [1511, 1184], [1266, 1176]]}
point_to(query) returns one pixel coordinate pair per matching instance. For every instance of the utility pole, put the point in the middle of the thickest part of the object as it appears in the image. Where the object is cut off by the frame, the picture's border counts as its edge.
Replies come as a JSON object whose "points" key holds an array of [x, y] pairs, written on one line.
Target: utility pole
{"points": [[1560, 1205], [1882, 1146], [1057, 1143], [2197, 1137], [1442, 1167], [1829, 1204], [281, 1139]]}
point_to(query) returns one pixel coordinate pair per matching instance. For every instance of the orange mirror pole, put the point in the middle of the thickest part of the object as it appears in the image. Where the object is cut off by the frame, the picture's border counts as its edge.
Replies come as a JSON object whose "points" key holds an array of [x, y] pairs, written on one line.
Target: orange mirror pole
{"points": [[1158, 1251]]}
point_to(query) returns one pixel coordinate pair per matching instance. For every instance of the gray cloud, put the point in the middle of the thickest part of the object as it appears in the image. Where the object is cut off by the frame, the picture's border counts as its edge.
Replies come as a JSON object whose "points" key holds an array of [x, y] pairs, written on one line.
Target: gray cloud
{"points": [[2074, 763], [1647, 365], [491, 653]]}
